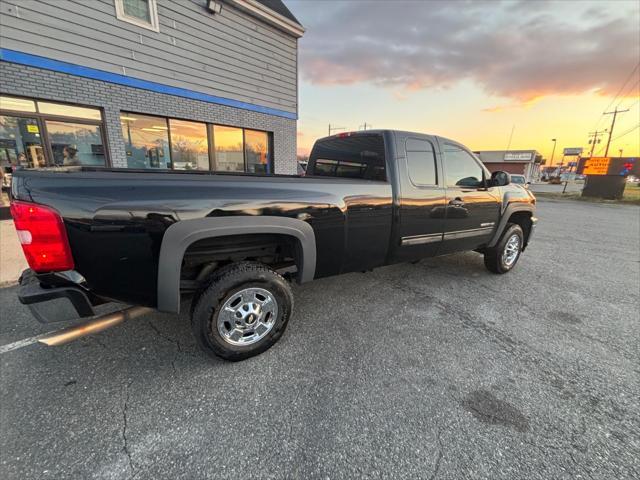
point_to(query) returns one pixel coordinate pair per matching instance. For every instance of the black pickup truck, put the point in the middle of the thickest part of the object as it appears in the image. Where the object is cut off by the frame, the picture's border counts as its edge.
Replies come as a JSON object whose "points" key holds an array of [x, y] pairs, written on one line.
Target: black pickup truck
{"points": [[232, 243]]}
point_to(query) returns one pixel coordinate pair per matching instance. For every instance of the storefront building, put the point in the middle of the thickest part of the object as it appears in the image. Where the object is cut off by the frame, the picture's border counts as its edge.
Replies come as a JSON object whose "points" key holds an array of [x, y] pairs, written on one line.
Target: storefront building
{"points": [[149, 84], [517, 162]]}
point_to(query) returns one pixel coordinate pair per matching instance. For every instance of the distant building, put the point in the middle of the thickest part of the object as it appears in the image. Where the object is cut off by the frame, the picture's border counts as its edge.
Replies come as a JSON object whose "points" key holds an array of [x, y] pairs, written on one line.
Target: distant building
{"points": [[520, 162]]}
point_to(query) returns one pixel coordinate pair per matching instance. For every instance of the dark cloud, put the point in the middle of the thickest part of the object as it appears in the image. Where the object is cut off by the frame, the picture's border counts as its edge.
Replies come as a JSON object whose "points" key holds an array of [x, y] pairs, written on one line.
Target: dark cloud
{"points": [[522, 50]]}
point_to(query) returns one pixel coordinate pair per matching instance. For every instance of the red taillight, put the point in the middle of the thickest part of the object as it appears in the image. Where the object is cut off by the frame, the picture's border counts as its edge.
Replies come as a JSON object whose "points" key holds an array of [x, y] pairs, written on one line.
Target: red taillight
{"points": [[43, 237]]}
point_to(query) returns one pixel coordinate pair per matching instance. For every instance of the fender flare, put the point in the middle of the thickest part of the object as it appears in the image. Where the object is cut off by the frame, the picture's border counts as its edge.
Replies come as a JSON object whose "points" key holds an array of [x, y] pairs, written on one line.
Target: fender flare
{"points": [[179, 236], [510, 210]]}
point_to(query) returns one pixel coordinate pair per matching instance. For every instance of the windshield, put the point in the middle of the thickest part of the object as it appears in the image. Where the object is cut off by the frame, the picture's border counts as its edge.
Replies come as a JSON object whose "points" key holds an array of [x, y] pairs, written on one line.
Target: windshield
{"points": [[519, 179]]}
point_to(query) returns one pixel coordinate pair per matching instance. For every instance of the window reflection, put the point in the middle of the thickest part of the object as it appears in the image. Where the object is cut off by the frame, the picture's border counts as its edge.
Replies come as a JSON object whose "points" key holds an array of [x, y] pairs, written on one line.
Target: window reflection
{"points": [[189, 145], [229, 149], [76, 143], [20, 142], [257, 151], [146, 141], [158, 142]]}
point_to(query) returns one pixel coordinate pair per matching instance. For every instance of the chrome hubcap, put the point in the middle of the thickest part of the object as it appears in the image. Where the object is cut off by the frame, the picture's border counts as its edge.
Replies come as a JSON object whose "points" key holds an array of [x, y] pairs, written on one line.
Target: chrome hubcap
{"points": [[247, 316], [511, 250]]}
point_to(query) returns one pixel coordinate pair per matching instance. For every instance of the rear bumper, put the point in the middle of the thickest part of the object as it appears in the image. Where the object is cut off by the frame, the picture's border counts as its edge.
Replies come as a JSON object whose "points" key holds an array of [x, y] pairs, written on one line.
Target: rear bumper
{"points": [[49, 305]]}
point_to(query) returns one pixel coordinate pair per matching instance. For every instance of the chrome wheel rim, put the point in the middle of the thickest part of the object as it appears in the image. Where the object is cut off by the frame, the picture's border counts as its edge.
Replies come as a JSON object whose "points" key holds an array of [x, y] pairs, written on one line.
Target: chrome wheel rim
{"points": [[511, 250], [247, 316]]}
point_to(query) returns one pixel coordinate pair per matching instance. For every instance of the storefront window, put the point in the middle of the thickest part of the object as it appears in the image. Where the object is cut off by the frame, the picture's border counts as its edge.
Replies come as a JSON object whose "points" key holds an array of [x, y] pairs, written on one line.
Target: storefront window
{"points": [[256, 146], [229, 149], [146, 141], [189, 145], [69, 111], [33, 135], [20, 142], [75, 143], [169, 143]]}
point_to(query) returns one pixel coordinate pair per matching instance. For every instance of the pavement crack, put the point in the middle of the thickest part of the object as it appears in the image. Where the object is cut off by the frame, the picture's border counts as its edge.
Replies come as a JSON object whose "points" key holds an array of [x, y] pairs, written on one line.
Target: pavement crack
{"points": [[436, 469], [125, 425], [167, 338]]}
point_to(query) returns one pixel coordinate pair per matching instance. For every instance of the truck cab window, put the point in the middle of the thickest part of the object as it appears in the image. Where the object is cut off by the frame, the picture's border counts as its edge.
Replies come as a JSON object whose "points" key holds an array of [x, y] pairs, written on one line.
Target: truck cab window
{"points": [[421, 162], [352, 156], [461, 169]]}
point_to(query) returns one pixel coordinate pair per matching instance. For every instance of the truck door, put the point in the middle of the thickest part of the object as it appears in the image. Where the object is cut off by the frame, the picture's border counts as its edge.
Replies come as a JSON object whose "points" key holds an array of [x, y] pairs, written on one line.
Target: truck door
{"points": [[421, 199], [472, 210]]}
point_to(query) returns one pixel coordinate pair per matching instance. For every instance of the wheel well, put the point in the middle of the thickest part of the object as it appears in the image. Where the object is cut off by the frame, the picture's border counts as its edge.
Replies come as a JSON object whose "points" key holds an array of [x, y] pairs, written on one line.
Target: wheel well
{"points": [[524, 220], [282, 253]]}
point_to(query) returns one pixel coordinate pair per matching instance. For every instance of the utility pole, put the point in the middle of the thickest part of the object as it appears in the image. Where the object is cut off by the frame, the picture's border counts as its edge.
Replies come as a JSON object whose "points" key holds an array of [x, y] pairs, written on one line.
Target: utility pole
{"points": [[331, 129], [613, 122], [594, 138], [364, 127], [620, 153], [552, 152]]}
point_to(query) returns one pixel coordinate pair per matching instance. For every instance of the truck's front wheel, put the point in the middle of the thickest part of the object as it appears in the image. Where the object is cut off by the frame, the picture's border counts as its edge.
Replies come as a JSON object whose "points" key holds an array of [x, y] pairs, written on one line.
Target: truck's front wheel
{"points": [[243, 312], [504, 256]]}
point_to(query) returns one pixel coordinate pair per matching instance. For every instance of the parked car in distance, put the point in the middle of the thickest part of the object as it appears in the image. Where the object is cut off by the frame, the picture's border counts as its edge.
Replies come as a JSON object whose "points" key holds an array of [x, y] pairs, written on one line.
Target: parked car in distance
{"points": [[519, 180], [233, 242]]}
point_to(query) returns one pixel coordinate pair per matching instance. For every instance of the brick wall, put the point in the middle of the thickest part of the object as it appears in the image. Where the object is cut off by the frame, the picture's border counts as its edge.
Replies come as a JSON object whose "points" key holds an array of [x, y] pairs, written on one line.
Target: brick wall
{"points": [[33, 82]]}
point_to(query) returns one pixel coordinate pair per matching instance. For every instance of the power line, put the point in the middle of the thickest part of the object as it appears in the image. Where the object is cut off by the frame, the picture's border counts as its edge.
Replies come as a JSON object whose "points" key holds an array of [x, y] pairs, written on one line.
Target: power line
{"points": [[623, 85], [627, 132], [617, 94], [626, 94]]}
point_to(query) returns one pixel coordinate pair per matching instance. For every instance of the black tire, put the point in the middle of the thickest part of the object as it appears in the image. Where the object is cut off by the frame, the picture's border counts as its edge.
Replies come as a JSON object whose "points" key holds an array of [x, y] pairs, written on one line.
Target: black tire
{"points": [[225, 283], [493, 257]]}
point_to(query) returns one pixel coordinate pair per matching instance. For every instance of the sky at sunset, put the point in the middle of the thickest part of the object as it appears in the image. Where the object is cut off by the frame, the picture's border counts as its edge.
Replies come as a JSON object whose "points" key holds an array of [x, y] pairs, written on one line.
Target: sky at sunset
{"points": [[472, 71]]}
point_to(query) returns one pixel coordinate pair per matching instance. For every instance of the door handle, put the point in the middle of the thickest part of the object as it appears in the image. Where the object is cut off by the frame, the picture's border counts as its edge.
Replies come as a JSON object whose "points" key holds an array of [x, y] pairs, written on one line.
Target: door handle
{"points": [[456, 202]]}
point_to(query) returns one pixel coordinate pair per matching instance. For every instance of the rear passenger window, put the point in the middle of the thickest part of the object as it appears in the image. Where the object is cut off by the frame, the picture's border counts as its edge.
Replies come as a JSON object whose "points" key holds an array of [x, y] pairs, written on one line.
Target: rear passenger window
{"points": [[353, 156], [421, 162]]}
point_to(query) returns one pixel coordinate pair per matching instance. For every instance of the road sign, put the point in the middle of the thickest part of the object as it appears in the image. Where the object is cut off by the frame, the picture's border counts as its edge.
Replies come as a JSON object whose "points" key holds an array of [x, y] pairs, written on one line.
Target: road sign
{"points": [[569, 152], [596, 166]]}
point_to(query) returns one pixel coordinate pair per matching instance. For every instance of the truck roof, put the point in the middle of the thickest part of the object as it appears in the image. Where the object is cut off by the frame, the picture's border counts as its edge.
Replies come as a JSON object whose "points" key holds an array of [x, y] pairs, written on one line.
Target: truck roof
{"points": [[381, 131]]}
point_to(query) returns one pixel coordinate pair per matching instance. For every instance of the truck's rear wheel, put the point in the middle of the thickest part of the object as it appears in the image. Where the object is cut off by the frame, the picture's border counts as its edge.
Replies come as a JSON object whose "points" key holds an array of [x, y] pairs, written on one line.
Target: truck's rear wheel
{"points": [[243, 312], [505, 254]]}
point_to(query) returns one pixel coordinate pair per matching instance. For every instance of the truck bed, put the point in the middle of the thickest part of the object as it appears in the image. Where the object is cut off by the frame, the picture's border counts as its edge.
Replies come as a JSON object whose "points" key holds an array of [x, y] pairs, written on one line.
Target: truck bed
{"points": [[116, 218]]}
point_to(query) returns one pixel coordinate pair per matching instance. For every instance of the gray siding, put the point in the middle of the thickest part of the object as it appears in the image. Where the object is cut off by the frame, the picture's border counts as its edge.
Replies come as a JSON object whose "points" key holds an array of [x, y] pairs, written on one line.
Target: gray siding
{"points": [[26, 81], [231, 55]]}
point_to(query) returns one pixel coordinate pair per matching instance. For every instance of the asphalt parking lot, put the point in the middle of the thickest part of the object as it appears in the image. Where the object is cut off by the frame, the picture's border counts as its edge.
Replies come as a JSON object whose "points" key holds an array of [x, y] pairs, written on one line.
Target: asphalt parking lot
{"points": [[430, 370]]}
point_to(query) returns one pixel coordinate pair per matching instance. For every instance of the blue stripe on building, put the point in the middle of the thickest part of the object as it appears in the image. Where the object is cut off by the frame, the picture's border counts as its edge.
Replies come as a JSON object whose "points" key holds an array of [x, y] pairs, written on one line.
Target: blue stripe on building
{"points": [[21, 58]]}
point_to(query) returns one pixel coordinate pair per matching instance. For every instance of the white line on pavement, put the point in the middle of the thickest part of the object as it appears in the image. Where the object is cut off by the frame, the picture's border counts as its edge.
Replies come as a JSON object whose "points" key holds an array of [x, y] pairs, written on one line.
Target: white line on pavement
{"points": [[25, 342]]}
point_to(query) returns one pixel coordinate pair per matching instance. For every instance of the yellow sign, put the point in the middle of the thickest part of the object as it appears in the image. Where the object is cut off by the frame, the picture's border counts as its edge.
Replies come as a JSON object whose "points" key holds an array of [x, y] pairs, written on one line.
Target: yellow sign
{"points": [[596, 166], [33, 129]]}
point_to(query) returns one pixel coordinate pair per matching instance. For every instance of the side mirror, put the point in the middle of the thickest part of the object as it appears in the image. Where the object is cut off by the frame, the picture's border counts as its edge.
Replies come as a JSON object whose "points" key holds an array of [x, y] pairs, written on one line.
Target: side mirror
{"points": [[500, 179]]}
